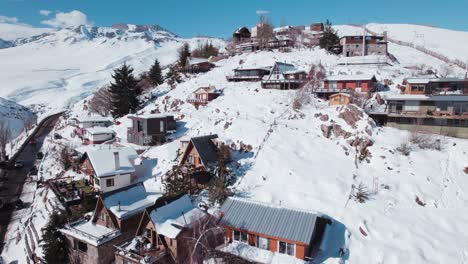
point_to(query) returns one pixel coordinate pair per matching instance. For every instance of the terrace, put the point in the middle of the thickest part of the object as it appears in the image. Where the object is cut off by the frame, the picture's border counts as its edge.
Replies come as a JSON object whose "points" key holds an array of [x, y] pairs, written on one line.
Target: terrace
{"points": [[141, 250]]}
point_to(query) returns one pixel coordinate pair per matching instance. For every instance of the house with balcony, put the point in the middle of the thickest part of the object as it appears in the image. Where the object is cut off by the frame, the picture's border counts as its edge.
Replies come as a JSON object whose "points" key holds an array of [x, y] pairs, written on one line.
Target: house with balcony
{"points": [[249, 74], [150, 129], [437, 114], [284, 76], [431, 85], [115, 220], [197, 65], [347, 84], [203, 95], [272, 229], [161, 233], [241, 35]]}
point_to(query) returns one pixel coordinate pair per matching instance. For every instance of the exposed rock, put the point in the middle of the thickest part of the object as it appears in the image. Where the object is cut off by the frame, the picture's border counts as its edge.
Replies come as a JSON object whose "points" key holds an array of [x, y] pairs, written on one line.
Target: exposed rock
{"points": [[326, 130], [317, 115], [340, 132], [351, 114], [324, 117]]}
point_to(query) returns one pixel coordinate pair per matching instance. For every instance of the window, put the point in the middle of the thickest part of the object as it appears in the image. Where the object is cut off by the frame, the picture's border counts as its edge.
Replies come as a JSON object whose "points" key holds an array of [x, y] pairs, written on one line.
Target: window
{"points": [[139, 126], [263, 243], [109, 182], [161, 126], [78, 245], [286, 248], [96, 180], [103, 217], [421, 88], [414, 88], [240, 236], [358, 83]]}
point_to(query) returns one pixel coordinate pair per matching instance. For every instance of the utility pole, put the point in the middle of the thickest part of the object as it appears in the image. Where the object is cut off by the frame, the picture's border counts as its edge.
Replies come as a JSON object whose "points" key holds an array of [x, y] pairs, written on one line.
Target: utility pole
{"points": [[364, 39]]}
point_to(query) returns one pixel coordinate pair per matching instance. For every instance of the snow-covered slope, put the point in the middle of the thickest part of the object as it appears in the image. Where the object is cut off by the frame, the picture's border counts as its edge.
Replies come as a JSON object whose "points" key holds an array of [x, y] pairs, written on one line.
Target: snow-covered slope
{"points": [[61, 67], [15, 116]]}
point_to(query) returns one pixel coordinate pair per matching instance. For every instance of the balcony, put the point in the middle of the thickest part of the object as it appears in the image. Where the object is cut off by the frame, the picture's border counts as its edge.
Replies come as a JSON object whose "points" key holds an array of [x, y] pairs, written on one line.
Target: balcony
{"points": [[139, 250]]}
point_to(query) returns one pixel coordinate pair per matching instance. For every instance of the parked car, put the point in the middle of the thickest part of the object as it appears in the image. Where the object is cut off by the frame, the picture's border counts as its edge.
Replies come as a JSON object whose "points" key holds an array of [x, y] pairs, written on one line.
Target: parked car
{"points": [[19, 164], [33, 141], [57, 136], [33, 170], [19, 204], [39, 155]]}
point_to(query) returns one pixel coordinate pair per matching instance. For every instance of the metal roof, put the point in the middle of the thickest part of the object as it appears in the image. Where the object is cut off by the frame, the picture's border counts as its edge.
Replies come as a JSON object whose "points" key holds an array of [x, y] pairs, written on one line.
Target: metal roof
{"points": [[280, 222], [282, 67]]}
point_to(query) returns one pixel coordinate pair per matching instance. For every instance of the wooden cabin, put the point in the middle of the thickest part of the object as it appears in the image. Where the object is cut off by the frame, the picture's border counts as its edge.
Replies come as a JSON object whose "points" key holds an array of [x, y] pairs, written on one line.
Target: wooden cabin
{"points": [[250, 74], [114, 221], [316, 27], [150, 129], [284, 76], [339, 99], [204, 95], [241, 34], [197, 65], [201, 153], [277, 229], [161, 232], [435, 86]]}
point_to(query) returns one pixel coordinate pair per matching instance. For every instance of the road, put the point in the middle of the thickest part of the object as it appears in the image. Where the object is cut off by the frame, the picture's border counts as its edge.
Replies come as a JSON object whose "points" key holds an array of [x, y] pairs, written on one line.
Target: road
{"points": [[11, 185]]}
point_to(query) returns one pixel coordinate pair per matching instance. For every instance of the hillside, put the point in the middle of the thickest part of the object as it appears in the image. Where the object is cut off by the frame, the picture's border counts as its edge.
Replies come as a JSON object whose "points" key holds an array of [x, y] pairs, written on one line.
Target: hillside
{"points": [[291, 163]]}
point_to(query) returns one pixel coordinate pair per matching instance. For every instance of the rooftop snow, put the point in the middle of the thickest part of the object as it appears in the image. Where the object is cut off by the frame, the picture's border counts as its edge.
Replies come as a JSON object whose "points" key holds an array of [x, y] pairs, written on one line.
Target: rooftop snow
{"points": [[149, 116], [358, 77], [99, 130], [370, 59], [170, 219], [90, 232], [92, 119], [421, 97], [132, 200], [102, 159], [428, 80], [197, 60]]}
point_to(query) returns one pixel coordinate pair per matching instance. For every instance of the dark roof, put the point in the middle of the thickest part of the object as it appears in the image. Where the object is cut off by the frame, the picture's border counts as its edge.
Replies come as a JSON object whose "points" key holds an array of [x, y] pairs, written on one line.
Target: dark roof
{"points": [[286, 223], [201, 177], [206, 149]]}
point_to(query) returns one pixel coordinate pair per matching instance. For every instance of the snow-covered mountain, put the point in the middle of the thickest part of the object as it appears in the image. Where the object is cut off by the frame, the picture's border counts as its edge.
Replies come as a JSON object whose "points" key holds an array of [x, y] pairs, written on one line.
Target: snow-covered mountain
{"points": [[15, 116], [57, 68]]}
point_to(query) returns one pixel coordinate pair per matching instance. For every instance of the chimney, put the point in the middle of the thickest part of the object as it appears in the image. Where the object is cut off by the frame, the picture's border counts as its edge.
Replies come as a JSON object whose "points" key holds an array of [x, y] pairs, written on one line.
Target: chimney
{"points": [[116, 160], [119, 207]]}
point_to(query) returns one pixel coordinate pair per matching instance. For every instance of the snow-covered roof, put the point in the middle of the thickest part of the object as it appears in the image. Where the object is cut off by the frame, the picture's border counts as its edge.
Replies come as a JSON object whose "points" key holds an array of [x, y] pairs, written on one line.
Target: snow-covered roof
{"points": [[357, 77], [294, 71], [129, 201], [432, 79], [102, 159], [206, 89], [281, 29], [84, 119], [265, 68], [280, 222], [149, 116], [341, 94], [99, 130], [285, 67], [421, 97], [90, 232], [171, 218], [192, 61], [369, 59]]}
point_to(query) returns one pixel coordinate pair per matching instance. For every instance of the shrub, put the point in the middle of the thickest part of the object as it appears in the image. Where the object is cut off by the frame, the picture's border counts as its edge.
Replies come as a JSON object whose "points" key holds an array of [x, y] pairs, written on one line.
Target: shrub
{"points": [[404, 149], [362, 194], [425, 141]]}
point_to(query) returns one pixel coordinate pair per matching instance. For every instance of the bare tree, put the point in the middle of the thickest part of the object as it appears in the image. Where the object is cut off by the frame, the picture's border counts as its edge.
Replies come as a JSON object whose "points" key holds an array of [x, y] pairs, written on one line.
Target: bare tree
{"points": [[101, 102], [445, 71], [264, 32], [304, 95], [5, 134], [204, 236]]}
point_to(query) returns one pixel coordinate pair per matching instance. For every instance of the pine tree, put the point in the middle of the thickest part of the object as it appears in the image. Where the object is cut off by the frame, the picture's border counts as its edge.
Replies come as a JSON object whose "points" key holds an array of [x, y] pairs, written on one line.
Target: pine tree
{"points": [[176, 183], [184, 54], [330, 38], [155, 74], [55, 244], [125, 92]]}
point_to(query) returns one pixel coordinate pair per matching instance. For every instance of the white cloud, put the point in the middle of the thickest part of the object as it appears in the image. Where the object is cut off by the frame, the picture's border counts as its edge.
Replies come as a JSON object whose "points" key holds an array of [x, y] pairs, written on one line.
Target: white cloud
{"points": [[262, 12], [70, 19], [45, 12], [9, 20]]}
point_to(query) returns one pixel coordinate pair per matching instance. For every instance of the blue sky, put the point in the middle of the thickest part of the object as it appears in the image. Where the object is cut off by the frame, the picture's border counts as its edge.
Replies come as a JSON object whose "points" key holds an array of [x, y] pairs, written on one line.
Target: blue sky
{"points": [[219, 18]]}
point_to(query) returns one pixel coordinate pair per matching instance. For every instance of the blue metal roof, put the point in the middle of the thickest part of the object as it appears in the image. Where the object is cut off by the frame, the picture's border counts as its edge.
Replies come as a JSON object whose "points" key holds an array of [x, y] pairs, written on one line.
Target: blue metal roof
{"points": [[280, 222]]}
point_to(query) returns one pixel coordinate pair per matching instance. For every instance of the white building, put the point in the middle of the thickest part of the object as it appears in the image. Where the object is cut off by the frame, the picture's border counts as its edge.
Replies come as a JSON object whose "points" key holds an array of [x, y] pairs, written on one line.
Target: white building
{"points": [[97, 135]]}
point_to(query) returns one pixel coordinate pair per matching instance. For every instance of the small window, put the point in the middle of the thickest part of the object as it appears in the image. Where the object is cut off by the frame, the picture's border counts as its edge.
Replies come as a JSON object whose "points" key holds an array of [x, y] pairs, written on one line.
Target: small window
{"points": [[103, 217], [286, 248], [109, 182], [421, 88], [244, 237], [161, 126], [240, 236], [139, 126], [414, 88], [78, 245], [236, 235]]}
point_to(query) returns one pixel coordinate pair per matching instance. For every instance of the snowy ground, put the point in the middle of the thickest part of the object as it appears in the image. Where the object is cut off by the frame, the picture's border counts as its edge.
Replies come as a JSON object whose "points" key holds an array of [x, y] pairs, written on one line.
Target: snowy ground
{"points": [[292, 163]]}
